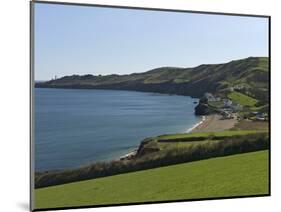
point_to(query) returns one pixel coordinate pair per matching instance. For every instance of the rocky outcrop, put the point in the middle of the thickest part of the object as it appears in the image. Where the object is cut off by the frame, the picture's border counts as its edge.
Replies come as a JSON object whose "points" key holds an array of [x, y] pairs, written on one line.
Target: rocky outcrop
{"points": [[147, 146], [202, 109]]}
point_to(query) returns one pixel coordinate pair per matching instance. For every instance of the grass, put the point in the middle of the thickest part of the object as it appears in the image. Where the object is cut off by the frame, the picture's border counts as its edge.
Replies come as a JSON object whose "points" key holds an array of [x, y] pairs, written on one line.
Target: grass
{"points": [[180, 145], [242, 99], [237, 175], [217, 104], [195, 136]]}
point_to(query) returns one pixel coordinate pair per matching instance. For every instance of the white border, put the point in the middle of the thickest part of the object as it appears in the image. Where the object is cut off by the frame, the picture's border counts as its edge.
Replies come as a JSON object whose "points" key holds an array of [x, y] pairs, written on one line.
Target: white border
{"points": [[14, 115]]}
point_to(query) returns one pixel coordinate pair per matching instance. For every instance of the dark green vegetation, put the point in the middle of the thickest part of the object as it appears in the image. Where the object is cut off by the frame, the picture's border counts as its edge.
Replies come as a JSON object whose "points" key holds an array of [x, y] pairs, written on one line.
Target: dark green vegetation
{"points": [[156, 152], [249, 76], [237, 175]]}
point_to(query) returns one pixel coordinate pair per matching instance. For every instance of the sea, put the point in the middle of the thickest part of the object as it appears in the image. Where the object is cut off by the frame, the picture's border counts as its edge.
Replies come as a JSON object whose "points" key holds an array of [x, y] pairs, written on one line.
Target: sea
{"points": [[76, 127]]}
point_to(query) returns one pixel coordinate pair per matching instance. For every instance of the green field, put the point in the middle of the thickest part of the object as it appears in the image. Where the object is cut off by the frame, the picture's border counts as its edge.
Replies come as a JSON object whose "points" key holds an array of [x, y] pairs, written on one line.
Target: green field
{"points": [[242, 99], [180, 145], [195, 136], [237, 175]]}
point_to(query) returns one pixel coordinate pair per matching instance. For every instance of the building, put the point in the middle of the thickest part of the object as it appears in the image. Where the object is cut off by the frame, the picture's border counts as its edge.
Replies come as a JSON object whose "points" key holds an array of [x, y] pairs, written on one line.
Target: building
{"points": [[211, 98], [227, 103], [238, 87], [261, 116]]}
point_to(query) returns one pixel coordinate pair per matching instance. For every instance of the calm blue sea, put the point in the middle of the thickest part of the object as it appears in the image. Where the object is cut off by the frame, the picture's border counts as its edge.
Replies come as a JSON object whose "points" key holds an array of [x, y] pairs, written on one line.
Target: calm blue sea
{"points": [[75, 127]]}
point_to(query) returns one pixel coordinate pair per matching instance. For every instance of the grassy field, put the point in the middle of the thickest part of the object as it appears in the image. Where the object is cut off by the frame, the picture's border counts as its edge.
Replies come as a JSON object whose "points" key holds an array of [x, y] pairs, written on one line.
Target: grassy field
{"points": [[227, 133], [243, 174], [179, 145], [242, 99]]}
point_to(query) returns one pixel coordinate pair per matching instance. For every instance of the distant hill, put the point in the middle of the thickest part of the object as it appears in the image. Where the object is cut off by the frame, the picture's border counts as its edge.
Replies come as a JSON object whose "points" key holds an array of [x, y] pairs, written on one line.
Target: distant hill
{"points": [[249, 76]]}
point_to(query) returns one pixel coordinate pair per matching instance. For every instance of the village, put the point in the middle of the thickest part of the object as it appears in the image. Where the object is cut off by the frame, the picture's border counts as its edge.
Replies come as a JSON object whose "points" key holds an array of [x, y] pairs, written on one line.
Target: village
{"points": [[229, 109]]}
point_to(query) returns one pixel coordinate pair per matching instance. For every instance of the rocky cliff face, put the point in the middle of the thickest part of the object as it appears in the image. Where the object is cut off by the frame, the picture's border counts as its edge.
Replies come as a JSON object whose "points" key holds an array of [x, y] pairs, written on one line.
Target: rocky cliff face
{"points": [[147, 146], [203, 109]]}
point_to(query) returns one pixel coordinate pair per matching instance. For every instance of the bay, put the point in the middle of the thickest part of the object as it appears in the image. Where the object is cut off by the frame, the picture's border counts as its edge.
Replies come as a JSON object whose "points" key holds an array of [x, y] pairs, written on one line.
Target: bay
{"points": [[74, 127]]}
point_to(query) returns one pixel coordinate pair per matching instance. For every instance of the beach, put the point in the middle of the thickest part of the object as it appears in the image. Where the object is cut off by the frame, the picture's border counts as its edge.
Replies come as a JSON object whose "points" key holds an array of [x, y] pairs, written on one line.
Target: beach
{"points": [[214, 123]]}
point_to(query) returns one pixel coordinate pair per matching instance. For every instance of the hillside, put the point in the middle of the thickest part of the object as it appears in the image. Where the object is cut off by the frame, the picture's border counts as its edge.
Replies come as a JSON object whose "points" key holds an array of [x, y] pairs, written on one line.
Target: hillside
{"points": [[238, 175], [250, 75]]}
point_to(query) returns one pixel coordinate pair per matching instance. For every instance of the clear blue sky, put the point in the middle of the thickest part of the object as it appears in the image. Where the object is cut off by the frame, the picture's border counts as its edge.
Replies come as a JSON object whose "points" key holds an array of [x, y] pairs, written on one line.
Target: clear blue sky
{"points": [[88, 40]]}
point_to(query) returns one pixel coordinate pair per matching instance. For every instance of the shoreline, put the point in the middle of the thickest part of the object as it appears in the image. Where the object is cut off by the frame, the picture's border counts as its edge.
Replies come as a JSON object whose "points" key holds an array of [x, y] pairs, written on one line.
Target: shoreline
{"points": [[129, 155], [196, 125], [208, 123]]}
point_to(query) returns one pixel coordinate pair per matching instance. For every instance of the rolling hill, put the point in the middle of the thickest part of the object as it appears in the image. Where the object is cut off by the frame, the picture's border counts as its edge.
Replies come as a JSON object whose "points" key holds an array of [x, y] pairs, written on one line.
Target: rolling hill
{"points": [[250, 75]]}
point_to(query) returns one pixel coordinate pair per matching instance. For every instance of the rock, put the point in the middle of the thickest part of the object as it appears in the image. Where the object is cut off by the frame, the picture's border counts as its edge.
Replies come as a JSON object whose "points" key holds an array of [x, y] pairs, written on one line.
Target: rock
{"points": [[202, 109], [147, 146]]}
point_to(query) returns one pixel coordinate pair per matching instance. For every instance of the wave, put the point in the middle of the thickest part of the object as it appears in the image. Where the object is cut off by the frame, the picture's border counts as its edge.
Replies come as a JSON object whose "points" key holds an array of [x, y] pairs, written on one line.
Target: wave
{"points": [[196, 125]]}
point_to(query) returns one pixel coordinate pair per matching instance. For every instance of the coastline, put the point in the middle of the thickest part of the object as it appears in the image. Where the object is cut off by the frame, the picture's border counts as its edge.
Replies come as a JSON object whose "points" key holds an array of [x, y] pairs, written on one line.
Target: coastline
{"points": [[196, 125], [208, 123], [129, 155]]}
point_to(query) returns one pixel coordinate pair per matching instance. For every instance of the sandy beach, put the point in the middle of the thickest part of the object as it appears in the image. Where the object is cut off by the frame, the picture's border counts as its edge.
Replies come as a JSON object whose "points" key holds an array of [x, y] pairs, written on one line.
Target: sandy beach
{"points": [[214, 123]]}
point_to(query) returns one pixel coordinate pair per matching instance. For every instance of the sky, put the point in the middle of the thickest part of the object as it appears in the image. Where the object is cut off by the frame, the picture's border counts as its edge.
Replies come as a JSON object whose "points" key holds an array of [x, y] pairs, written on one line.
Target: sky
{"points": [[100, 41]]}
